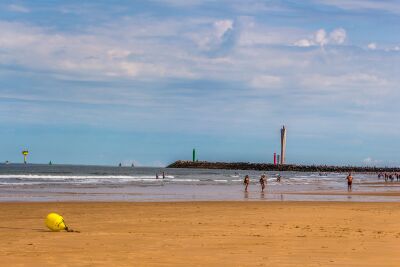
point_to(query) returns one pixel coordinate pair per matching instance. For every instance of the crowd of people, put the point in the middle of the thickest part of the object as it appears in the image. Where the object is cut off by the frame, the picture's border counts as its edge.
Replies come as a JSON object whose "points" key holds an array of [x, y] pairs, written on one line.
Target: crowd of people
{"points": [[263, 181], [389, 176]]}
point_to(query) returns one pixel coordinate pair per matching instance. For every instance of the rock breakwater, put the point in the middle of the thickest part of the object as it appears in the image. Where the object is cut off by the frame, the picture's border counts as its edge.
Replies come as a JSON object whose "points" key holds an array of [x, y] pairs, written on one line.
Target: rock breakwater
{"points": [[272, 167]]}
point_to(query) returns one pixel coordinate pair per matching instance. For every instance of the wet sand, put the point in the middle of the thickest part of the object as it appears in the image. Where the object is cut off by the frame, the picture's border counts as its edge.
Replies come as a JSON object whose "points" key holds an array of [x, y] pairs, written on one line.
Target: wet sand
{"points": [[341, 193], [202, 234]]}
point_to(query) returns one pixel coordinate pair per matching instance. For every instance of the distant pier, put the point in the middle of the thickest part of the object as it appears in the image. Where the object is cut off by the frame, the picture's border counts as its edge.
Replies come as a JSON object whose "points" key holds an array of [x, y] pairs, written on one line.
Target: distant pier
{"points": [[272, 167]]}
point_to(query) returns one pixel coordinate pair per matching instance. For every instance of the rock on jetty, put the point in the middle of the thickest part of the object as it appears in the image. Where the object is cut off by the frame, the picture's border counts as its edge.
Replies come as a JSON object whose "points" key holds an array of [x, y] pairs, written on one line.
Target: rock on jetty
{"points": [[272, 167]]}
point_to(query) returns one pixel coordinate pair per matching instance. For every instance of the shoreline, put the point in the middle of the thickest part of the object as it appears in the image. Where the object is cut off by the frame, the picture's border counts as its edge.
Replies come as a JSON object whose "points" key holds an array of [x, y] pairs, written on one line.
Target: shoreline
{"points": [[339, 196], [237, 233]]}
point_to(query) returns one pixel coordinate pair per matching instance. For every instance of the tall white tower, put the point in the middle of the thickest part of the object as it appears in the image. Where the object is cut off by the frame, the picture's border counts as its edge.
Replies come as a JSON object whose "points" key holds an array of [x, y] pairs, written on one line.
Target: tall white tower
{"points": [[283, 144]]}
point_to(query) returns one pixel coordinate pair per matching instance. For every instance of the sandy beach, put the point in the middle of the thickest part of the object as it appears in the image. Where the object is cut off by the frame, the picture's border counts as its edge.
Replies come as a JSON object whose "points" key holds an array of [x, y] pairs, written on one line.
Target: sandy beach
{"points": [[202, 234]]}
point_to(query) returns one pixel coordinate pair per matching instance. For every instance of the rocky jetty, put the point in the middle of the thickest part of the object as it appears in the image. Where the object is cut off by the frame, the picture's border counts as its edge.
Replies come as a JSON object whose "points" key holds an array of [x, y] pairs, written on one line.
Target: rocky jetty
{"points": [[272, 167]]}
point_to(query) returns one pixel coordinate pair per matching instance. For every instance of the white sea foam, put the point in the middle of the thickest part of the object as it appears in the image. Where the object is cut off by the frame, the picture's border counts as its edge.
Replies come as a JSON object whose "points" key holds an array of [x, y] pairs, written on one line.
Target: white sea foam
{"points": [[32, 179], [70, 177]]}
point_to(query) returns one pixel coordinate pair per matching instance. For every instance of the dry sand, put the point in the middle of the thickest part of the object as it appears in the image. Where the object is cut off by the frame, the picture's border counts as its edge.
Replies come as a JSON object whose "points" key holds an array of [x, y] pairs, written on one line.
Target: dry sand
{"points": [[202, 234]]}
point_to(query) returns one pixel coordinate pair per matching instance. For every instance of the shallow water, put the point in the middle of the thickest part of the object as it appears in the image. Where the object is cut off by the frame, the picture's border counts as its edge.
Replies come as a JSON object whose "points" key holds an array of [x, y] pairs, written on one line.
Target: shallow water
{"points": [[99, 183]]}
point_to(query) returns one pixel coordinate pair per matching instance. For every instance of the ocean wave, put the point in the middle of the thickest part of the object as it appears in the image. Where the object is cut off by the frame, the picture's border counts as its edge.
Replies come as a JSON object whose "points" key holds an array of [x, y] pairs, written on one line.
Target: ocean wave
{"points": [[70, 177]]}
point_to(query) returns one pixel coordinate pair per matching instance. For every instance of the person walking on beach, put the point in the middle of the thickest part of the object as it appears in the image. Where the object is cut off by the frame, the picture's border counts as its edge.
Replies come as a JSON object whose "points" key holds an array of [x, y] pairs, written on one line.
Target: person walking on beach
{"points": [[246, 182], [263, 181], [349, 179]]}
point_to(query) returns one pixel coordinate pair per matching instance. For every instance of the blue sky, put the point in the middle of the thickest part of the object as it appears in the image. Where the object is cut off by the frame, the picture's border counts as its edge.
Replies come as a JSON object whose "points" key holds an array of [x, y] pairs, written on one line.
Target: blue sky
{"points": [[89, 82]]}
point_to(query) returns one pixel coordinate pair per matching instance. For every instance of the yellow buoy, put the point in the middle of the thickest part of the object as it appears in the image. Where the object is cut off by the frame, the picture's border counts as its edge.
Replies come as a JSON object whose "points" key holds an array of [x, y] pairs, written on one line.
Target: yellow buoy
{"points": [[55, 222]]}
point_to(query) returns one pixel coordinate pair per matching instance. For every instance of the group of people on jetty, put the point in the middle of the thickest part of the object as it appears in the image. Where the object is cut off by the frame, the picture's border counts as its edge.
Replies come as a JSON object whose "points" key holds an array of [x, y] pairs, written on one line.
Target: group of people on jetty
{"points": [[263, 181], [389, 176]]}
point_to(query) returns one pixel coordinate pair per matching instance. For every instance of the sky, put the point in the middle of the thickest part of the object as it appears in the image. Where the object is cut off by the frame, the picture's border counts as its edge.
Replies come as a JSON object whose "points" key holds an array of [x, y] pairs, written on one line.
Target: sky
{"points": [[145, 82]]}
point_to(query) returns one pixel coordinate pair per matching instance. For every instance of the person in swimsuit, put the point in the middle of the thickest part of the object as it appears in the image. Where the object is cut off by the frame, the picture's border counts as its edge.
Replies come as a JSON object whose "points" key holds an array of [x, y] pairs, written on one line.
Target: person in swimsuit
{"points": [[278, 179], [263, 181], [246, 182], [349, 179]]}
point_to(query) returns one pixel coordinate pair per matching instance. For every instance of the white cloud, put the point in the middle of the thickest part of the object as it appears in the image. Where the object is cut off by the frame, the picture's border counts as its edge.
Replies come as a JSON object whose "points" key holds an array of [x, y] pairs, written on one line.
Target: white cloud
{"points": [[118, 53], [181, 3], [372, 46], [359, 5], [266, 81], [18, 8], [344, 81], [304, 43], [253, 33], [322, 38], [338, 36], [222, 26], [210, 37], [90, 55]]}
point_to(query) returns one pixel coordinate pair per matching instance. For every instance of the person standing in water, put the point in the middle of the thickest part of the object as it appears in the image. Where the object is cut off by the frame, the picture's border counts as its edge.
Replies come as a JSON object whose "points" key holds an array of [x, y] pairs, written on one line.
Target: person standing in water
{"points": [[349, 179], [278, 179], [246, 182], [263, 181], [163, 175]]}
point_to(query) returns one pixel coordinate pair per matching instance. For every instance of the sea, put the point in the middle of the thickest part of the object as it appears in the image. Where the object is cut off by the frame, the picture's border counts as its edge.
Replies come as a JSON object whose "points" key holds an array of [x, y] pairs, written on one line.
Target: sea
{"points": [[40, 183]]}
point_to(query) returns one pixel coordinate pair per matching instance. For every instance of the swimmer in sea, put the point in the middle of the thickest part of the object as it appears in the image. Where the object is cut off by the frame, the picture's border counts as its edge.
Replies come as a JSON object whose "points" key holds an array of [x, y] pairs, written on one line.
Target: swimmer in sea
{"points": [[246, 182], [349, 179], [263, 181]]}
